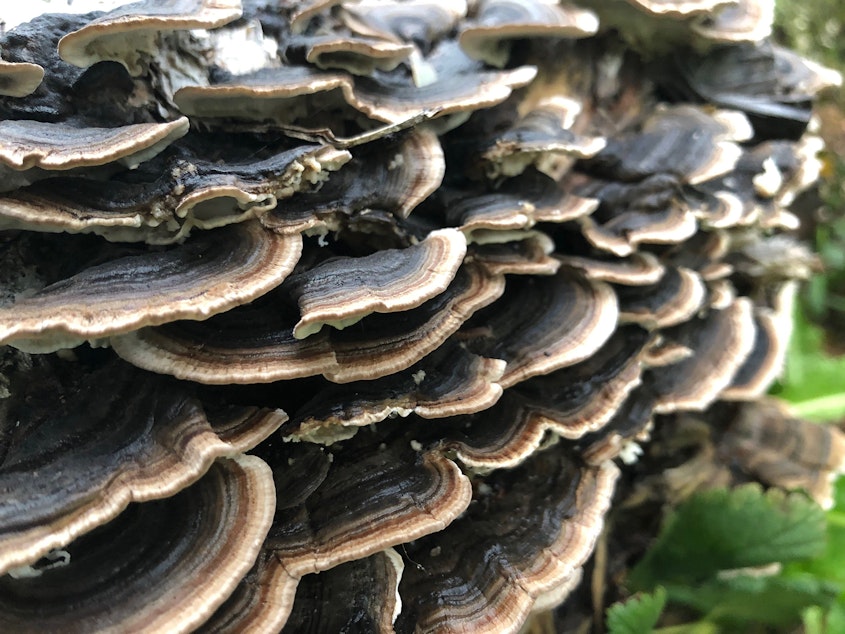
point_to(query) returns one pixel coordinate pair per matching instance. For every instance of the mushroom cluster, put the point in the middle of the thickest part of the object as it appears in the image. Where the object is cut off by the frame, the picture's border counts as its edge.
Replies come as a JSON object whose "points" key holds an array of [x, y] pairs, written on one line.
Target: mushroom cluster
{"points": [[385, 290]]}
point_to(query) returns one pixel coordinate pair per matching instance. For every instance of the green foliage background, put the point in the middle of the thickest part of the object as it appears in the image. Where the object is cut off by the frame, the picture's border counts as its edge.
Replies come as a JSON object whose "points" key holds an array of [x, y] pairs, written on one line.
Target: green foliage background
{"points": [[770, 562]]}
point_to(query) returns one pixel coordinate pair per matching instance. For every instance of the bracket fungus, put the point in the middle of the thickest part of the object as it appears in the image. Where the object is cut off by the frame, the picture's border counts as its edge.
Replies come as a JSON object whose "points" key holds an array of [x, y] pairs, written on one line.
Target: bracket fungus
{"points": [[479, 251], [19, 79]]}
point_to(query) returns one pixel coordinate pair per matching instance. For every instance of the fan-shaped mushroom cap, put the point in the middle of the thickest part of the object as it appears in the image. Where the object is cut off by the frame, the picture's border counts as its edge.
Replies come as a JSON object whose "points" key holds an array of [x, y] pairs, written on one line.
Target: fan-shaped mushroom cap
{"points": [[75, 458], [631, 423], [744, 21], [721, 343], [421, 22], [161, 566], [341, 291], [499, 21], [361, 593], [126, 33], [268, 94], [261, 602], [677, 297], [212, 273], [378, 491], [254, 344], [19, 79], [541, 136], [448, 382], [520, 203], [681, 146], [370, 493], [771, 85], [356, 55], [647, 211], [514, 252], [395, 177], [492, 405], [569, 403], [37, 145], [765, 362], [764, 440], [509, 553], [622, 234], [190, 194], [551, 322], [640, 269], [368, 590], [719, 209]]}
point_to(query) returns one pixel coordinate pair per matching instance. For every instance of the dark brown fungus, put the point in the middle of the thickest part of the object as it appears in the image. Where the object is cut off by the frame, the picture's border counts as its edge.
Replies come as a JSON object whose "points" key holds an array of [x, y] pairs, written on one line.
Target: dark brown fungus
{"points": [[273, 93], [480, 234], [767, 82], [721, 343], [541, 136], [640, 269], [552, 322], [19, 79], [765, 362], [341, 291], [519, 204], [631, 424], [677, 297], [448, 382], [515, 252], [209, 274], [379, 491], [421, 22], [685, 142], [505, 556], [357, 55], [128, 33], [744, 21], [261, 602], [255, 344], [75, 459], [305, 11], [31, 150], [767, 442], [367, 589], [337, 506], [160, 566], [623, 234], [395, 177], [192, 193], [55, 146], [568, 403], [498, 22]]}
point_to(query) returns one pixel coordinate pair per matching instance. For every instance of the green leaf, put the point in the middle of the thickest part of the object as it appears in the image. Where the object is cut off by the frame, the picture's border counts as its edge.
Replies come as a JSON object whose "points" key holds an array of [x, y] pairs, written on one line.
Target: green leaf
{"points": [[813, 620], [812, 381], [830, 565], [638, 615], [747, 599], [728, 529]]}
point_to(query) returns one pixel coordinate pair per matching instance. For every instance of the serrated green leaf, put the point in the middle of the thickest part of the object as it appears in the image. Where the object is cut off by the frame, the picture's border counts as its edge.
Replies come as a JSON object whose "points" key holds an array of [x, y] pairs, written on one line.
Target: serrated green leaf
{"points": [[637, 615], [747, 599], [728, 529], [830, 565]]}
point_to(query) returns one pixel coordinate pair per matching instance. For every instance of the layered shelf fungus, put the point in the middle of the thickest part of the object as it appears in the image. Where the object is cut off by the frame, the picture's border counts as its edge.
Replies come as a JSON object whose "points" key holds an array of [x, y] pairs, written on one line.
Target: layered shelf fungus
{"points": [[441, 268]]}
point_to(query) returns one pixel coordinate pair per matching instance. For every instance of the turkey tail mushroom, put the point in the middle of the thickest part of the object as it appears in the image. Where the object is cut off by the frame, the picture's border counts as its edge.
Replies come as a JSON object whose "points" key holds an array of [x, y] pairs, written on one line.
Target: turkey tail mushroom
{"points": [[486, 254]]}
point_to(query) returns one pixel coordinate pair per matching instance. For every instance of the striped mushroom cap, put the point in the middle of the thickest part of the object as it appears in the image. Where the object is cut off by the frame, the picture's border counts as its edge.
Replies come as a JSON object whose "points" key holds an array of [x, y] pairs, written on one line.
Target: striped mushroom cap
{"points": [[441, 268]]}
